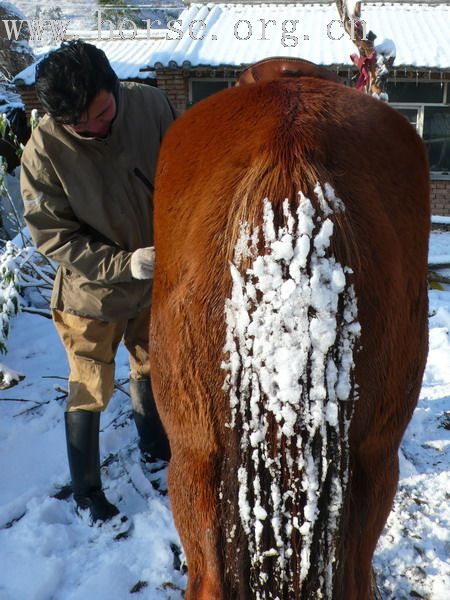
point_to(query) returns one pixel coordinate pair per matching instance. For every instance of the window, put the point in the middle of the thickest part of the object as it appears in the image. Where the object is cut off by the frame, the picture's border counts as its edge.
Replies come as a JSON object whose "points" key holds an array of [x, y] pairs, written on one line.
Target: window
{"points": [[426, 107], [436, 135], [411, 92], [202, 88], [410, 113]]}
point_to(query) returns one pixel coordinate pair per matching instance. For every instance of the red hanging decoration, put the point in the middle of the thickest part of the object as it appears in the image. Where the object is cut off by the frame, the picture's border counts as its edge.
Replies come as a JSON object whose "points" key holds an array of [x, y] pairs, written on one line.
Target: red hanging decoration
{"points": [[364, 64]]}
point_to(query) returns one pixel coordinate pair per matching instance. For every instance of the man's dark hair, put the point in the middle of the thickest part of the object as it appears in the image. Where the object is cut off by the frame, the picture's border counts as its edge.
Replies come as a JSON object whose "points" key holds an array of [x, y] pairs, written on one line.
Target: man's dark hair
{"points": [[69, 78]]}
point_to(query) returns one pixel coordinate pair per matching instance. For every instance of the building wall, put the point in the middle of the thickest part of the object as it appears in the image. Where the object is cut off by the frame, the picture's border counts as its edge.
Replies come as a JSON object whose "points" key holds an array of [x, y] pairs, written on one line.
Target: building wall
{"points": [[440, 197], [29, 99], [175, 83]]}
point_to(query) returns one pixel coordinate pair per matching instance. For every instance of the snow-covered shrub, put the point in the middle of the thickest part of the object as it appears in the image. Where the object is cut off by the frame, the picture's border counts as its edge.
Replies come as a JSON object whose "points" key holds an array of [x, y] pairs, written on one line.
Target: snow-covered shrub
{"points": [[34, 119], [11, 211], [26, 281], [7, 133], [10, 202], [26, 277], [9, 289]]}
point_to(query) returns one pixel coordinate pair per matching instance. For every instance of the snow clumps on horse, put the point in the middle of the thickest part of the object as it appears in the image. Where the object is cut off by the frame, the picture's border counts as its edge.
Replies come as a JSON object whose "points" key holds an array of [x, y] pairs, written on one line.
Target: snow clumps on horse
{"points": [[292, 330]]}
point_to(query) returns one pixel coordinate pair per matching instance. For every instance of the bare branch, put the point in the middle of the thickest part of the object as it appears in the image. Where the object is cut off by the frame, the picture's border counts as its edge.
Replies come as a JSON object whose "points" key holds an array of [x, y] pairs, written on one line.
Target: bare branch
{"points": [[21, 400], [121, 389]]}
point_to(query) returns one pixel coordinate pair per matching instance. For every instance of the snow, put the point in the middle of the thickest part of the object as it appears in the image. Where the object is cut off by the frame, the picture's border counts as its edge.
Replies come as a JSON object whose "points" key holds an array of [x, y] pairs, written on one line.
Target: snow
{"points": [[413, 553], [13, 9], [440, 243], [234, 34], [274, 346], [439, 259], [48, 552], [9, 98], [439, 253], [440, 220], [387, 48], [79, 12], [9, 377], [82, 14], [79, 19], [127, 58]]}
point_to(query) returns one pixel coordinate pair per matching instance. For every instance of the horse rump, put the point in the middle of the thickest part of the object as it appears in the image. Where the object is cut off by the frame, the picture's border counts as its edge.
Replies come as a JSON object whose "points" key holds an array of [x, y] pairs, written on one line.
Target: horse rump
{"points": [[288, 334]]}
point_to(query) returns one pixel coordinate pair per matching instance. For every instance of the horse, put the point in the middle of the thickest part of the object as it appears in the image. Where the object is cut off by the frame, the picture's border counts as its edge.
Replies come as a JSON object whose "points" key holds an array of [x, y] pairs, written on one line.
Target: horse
{"points": [[288, 330]]}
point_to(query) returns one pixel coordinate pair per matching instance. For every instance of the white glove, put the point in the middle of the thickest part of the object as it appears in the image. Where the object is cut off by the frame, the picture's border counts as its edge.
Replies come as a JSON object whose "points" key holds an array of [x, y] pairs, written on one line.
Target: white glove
{"points": [[143, 263]]}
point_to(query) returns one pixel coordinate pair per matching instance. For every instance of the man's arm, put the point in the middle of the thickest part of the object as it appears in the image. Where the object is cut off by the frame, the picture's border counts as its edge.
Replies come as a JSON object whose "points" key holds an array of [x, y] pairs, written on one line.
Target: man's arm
{"points": [[58, 234]]}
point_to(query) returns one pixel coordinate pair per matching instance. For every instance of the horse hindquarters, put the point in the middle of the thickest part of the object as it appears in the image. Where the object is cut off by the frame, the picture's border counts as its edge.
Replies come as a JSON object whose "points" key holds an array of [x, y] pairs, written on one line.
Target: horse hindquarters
{"points": [[281, 497]]}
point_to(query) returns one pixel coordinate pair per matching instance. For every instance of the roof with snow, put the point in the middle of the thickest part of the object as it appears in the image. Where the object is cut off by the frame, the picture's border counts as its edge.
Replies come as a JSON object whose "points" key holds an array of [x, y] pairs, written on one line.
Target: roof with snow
{"points": [[233, 36], [127, 58], [420, 33]]}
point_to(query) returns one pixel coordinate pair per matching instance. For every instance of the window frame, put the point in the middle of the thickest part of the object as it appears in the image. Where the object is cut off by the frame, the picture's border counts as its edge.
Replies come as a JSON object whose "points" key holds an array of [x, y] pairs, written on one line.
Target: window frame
{"points": [[420, 107], [228, 80]]}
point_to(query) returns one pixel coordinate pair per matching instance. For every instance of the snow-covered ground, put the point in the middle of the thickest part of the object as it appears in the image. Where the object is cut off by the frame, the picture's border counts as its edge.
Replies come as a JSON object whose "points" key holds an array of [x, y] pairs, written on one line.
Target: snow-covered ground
{"points": [[413, 555], [48, 553]]}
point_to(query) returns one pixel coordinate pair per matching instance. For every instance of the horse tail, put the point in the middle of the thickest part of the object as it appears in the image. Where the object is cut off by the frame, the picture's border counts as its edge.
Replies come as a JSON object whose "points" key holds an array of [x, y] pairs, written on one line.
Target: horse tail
{"points": [[291, 335]]}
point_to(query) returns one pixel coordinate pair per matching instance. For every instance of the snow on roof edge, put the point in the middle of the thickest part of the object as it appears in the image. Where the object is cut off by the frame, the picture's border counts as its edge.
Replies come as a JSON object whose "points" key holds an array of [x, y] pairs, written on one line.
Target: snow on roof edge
{"points": [[395, 22], [413, 53], [122, 55]]}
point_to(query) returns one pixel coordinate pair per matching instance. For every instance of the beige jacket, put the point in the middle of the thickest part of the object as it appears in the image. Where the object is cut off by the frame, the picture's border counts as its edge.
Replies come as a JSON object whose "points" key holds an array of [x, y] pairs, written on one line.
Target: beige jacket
{"points": [[88, 203]]}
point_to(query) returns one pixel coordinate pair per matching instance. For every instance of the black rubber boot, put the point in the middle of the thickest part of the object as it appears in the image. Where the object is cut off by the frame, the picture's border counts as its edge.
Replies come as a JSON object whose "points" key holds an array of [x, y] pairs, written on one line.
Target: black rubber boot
{"points": [[82, 433], [153, 441]]}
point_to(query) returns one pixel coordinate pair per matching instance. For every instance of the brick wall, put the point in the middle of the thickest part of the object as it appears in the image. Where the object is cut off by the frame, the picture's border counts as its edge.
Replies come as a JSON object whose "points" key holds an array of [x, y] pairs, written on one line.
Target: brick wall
{"points": [[29, 99], [440, 197], [175, 83]]}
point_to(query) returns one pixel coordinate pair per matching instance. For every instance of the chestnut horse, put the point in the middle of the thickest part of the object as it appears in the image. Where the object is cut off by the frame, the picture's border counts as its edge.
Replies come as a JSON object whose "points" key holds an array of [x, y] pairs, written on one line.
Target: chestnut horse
{"points": [[289, 331]]}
